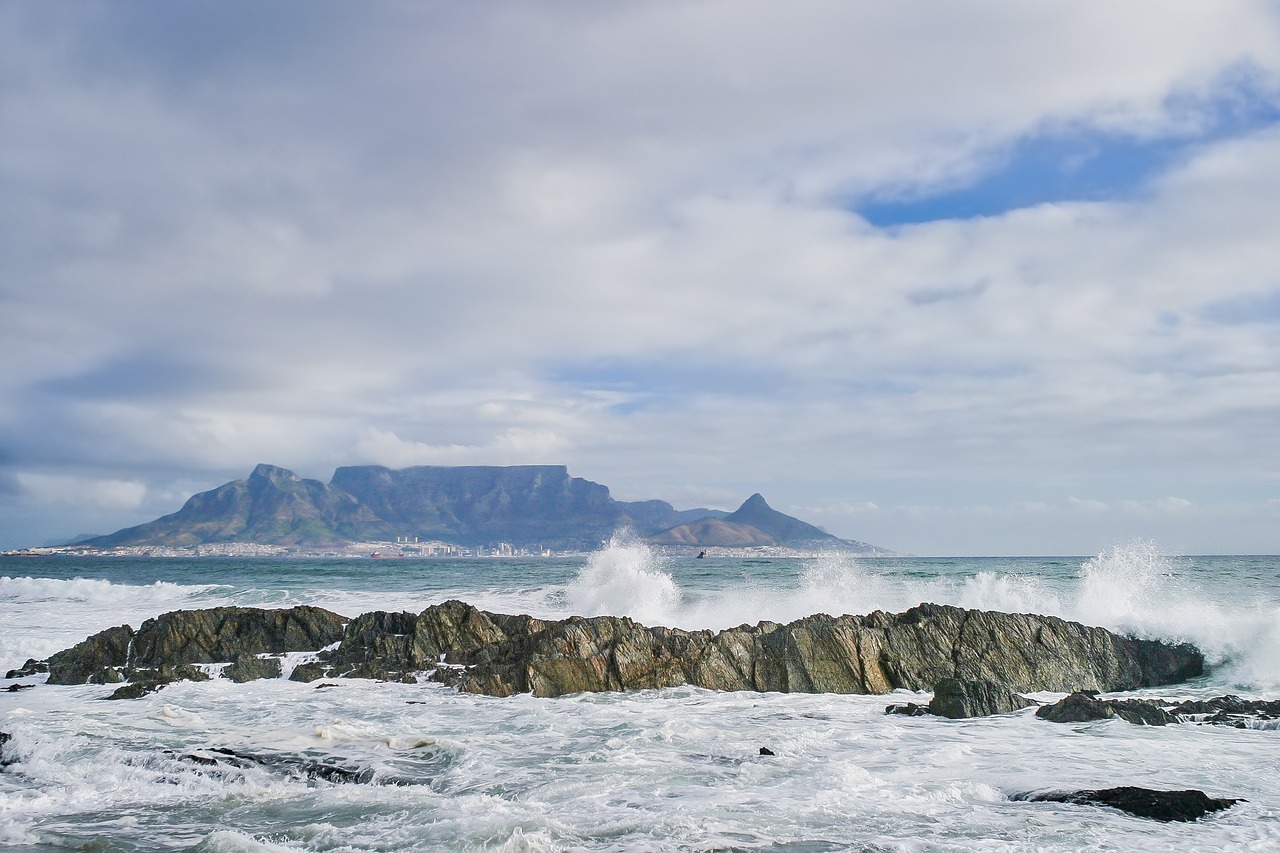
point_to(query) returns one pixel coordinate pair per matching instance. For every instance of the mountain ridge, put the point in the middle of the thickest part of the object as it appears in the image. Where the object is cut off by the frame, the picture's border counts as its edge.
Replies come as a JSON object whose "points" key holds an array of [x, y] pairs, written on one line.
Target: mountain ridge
{"points": [[525, 505]]}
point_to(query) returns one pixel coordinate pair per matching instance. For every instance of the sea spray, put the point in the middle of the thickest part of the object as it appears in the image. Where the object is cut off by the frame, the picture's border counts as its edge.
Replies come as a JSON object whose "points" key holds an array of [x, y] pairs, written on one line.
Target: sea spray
{"points": [[625, 578]]}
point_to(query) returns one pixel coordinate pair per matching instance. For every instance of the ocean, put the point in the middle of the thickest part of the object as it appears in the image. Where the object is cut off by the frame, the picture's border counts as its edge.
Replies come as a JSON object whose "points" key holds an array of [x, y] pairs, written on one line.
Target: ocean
{"points": [[678, 769]]}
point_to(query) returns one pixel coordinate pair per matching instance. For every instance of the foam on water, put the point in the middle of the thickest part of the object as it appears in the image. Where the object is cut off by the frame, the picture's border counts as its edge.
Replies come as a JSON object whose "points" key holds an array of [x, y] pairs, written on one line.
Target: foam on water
{"points": [[624, 579], [1132, 589]]}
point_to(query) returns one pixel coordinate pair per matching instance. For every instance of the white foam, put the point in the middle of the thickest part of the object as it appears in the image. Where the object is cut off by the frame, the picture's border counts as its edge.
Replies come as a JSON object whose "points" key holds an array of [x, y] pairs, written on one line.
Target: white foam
{"points": [[624, 579]]}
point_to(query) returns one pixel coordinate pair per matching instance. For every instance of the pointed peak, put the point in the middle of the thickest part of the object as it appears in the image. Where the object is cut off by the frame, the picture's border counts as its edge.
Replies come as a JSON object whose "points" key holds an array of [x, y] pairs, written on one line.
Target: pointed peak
{"points": [[756, 501], [272, 473]]}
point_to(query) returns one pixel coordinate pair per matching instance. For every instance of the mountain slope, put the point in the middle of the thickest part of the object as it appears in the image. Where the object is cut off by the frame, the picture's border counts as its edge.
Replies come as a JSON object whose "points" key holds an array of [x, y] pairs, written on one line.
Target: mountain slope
{"points": [[470, 505], [756, 523], [272, 506]]}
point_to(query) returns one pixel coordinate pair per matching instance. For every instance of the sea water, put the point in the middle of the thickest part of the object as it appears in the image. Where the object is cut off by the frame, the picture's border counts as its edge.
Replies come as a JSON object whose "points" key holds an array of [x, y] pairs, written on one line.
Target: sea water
{"points": [[655, 770]]}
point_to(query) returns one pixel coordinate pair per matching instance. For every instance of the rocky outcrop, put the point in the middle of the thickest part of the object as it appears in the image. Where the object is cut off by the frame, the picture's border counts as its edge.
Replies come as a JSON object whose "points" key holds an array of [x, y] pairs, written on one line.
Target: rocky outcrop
{"points": [[1085, 706], [959, 699], [161, 648], [501, 655], [1164, 806]]}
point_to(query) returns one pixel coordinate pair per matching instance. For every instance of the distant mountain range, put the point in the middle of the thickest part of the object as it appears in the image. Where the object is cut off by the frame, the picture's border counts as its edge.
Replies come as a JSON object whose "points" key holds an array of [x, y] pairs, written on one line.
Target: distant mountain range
{"points": [[525, 505]]}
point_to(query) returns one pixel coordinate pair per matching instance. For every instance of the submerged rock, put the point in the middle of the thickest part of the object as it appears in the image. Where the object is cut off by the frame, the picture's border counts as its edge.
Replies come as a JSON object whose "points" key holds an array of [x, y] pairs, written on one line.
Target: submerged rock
{"points": [[501, 655], [1143, 802]]}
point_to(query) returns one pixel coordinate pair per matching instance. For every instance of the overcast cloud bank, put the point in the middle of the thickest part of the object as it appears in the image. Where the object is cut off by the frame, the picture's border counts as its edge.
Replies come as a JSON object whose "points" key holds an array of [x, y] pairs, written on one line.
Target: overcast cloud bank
{"points": [[991, 278]]}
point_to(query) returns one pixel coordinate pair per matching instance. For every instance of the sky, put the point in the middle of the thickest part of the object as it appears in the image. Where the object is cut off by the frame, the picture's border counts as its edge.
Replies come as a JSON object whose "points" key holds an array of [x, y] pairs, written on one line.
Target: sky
{"points": [[984, 278]]}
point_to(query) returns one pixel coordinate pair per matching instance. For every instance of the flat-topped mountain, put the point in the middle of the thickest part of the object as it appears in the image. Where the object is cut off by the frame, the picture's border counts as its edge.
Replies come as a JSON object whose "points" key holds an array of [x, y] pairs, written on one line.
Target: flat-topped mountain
{"points": [[525, 505]]}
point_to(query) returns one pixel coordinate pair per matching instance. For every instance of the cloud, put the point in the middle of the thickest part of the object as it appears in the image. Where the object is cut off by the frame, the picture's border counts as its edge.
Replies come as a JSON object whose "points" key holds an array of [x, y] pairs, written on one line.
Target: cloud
{"points": [[513, 447], [99, 494], [505, 234]]}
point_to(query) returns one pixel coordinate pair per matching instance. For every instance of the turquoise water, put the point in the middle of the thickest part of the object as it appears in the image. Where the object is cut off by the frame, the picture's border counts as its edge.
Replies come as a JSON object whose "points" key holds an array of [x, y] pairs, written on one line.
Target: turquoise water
{"points": [[674, 769]]}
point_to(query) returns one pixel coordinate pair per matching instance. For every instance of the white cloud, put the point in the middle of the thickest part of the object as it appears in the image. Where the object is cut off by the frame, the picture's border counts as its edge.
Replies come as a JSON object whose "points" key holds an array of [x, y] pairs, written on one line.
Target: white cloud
{"points": [[98, 494], [515, 237], [512, 447]]}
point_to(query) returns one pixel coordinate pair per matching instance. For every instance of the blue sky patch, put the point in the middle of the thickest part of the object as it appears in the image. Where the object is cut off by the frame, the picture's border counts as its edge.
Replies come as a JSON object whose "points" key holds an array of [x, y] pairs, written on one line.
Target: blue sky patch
{"points": [[1079, 163]]}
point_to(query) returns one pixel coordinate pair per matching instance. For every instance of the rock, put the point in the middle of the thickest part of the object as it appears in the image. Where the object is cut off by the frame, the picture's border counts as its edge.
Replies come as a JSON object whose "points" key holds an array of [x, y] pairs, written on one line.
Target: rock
{"points": [[501, 655], [5, 759], [907, 709], [1143, 802], [1231, 711], [306, 672], [250, 667], [764, 750], [145, 681], [1083, 706], [184, 637], [28, 669], [224, 634], [295, 765], [96, 656], [957, 699], [14, 688]]}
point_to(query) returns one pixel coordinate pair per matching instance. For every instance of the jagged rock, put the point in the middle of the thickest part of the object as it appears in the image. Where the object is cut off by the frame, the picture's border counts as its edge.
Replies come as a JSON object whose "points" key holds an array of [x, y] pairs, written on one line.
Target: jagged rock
{"points": [[1143, 802], [250, 667], [14, 688], [182, 637], [1085, 706], [225, 633], [309, 671], [847, 654], [93, 660], [501, 655], [145, 681], [907, 709], [28, 669], [958, 699], [1231, 711], [5, 758]]}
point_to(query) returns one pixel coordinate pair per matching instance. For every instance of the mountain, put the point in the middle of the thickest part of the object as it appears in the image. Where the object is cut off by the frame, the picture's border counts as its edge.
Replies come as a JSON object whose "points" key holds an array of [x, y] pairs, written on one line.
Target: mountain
{"points": [[756, 523], [273, 506], [526, 505]]}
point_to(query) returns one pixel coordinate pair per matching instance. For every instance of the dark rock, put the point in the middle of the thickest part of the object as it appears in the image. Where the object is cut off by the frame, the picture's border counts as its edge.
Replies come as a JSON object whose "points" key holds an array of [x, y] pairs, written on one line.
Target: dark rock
{"points": [[182, 637], [764, 750], [14, 688], [309, 671], [907, 709], [145, 681], [250, 667], [223, 634], [958, 699], [28, 669], [500, 655], [80, 664], [1079, 707], [1231, 711], [1082, 707], [301, 766], [5, 758], [1142, 802]]}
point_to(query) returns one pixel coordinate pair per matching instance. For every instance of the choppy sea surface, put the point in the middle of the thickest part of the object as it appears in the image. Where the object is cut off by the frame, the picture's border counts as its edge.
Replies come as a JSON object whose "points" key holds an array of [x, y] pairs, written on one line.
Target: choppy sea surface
{"points": [[677, 769]]}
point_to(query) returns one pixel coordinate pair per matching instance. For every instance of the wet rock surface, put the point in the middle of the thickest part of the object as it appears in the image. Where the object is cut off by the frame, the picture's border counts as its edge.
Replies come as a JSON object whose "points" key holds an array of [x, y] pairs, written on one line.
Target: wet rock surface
{"points": [[500, 655], [959, 699], [1085, 706], [297, 765], [1164, 806]]}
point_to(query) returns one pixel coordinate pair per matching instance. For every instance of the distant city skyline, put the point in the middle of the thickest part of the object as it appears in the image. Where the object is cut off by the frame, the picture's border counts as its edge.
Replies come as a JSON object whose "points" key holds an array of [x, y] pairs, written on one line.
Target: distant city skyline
{"points": [[959, 280]]}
